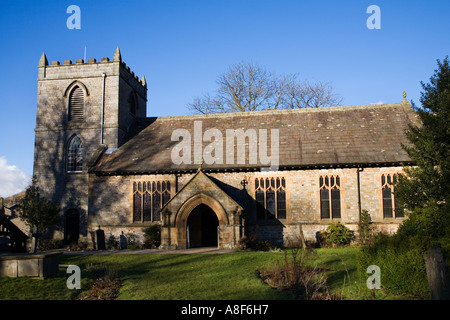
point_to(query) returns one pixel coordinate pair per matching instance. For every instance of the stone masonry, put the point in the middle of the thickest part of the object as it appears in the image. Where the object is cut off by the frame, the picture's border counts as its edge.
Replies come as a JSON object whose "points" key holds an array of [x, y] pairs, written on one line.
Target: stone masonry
{"points": [[108, 94], [121, 146]]}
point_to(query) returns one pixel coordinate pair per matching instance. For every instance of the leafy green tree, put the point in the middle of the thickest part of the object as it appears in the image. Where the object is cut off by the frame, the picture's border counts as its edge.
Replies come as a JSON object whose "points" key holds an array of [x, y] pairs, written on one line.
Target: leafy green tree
{"points": [[425, 189], [38, 212]]}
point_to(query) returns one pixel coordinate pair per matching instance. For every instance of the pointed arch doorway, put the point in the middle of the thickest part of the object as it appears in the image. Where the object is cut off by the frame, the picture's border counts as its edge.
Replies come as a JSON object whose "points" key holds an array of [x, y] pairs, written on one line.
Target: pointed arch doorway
{"points": [[217, 204], [202, 227], [72, 226]]}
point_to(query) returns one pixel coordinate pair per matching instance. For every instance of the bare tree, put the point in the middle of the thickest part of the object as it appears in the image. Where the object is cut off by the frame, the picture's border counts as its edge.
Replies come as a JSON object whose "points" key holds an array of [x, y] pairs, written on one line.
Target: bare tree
{"points": [[311, 95], [249, 87]]}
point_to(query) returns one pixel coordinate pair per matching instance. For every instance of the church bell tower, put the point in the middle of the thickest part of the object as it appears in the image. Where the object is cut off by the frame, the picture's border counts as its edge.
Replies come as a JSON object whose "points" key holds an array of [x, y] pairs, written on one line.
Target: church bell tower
{"points": [[83, 109]]}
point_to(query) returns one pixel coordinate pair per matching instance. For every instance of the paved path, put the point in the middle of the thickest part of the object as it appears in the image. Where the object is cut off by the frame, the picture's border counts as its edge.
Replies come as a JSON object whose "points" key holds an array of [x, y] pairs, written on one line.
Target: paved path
{"points": [[205, 250]]}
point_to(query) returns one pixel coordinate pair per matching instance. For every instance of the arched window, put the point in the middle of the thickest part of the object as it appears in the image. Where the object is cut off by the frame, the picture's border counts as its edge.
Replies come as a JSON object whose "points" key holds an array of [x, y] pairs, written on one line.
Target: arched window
{"points": [[391, 207], [330, 197], [76, 104], [74, 155], [270, 196], [148, 199]]}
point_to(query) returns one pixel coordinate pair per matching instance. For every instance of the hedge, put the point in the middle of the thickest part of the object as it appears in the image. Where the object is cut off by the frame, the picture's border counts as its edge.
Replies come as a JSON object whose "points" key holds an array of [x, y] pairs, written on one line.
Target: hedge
{"points": [[402, 265]]}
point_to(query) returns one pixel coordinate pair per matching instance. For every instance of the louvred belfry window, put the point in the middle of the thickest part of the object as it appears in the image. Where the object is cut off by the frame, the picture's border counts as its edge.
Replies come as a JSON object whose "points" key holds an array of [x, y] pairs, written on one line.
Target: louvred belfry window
{"points": [[391, 207], [330, 197], [270, 196], [74, 155], [148, 199], [76, 104]]}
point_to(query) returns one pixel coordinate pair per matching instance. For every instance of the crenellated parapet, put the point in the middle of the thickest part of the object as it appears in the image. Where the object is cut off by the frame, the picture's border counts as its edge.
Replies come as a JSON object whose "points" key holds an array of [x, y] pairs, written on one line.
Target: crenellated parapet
{"points": [[48, 70]]}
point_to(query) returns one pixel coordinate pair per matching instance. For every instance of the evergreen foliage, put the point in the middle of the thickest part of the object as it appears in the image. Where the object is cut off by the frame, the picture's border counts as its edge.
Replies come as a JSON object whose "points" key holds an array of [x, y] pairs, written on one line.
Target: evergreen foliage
{"points": [[425, 189], [425, 194], [152, 236], [365, 232], [336, 235], [38, 212]]}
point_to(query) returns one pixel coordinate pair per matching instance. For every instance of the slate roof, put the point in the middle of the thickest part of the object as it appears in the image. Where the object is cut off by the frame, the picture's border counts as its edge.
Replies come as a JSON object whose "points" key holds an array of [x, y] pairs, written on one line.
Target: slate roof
{"points": [[323, 137]]}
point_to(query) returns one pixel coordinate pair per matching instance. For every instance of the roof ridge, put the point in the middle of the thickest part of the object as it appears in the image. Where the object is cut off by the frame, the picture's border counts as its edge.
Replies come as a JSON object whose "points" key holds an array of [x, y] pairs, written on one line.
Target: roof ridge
{"points": [[284, 111]]}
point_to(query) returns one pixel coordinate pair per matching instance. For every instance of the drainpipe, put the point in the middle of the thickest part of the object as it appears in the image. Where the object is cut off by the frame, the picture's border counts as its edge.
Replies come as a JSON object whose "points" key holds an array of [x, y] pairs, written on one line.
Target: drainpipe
{"points": [[358, 170], [177, 175], [103, 108], [234, 228], [169, 240]]}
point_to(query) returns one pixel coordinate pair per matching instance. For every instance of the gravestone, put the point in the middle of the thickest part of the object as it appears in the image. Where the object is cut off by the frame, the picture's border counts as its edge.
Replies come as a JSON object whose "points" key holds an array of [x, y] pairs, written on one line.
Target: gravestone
{"points": [[33, 245], [438, 273], [123, 241], [42, 265], [100, 239]]}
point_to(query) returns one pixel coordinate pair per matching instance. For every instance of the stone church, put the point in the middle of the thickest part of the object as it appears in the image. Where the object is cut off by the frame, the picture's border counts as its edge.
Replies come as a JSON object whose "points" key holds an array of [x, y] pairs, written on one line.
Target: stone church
{"points": [[208, 180]]}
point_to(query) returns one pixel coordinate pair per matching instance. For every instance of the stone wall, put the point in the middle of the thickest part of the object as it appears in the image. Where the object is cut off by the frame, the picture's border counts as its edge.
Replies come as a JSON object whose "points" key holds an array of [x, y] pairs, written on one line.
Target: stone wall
{"points": [[53, 128], [39, 266], [110, 204], [106, 201]]}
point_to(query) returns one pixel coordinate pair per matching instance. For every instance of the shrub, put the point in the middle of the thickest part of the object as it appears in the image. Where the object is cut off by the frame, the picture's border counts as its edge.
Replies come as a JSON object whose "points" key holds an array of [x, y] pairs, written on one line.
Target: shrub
{"points": [[113, 243], [132, 240], [152, 236], [265, 245], [401, 262], [50, 244], [365, 232], [105, 287], [78, 246], [336, 235], [249, 240], [293, 276]]}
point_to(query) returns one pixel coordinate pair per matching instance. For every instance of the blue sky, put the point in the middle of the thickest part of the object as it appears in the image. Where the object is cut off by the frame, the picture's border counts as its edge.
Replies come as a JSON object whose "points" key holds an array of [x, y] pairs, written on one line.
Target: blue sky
{"points": [[182, 46]]}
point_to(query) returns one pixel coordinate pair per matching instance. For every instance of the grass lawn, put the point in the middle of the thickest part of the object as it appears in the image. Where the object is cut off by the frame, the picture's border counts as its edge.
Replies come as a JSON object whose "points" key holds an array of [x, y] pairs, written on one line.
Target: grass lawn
{"points": [[192, 276]]}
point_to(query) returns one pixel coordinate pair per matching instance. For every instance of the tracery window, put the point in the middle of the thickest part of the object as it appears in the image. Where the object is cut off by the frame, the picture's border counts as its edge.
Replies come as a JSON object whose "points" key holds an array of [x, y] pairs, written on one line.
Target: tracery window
{"points": [[330, 197], [391, 208], [148, 199], [74, 156], [270, 196]]}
